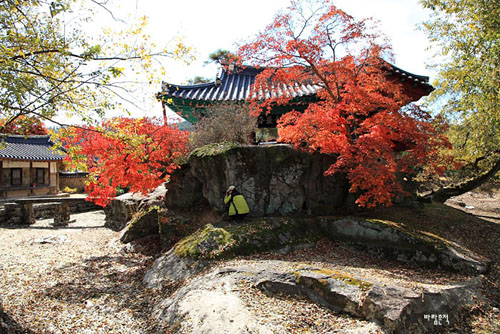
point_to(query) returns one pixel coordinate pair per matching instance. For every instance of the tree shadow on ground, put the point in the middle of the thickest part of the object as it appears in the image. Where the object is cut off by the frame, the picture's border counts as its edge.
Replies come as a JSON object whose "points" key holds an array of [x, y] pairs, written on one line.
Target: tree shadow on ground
{"points": [[104, 284], [9, 326], [119, 276]]}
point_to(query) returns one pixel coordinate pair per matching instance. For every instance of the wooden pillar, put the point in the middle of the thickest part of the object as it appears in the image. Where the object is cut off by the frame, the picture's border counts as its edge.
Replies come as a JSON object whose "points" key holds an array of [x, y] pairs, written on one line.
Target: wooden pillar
{"points": [[31, 177], [53, 175]]}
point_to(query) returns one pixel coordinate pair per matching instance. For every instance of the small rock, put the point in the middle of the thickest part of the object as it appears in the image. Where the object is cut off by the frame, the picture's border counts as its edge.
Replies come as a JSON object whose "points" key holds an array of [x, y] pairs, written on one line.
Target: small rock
{"points": [[285, 250], [402, 258], [469, 207], [51, 239]]}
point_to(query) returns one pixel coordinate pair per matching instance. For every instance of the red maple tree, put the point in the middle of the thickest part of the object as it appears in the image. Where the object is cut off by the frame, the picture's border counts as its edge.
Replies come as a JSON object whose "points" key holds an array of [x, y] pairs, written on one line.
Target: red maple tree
{"points": [[23, 125], [357, 114], [138, 154]]}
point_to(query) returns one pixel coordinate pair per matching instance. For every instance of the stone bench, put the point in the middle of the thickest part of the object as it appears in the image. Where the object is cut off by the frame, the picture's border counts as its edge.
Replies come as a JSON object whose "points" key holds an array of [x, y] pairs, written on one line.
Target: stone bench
{"points": [[24, 213]]}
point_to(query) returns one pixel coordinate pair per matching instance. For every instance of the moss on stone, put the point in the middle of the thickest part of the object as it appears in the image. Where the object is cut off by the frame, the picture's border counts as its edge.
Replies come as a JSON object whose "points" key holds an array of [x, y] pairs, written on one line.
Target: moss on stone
{"points": [[142, 224], [254, 236], [362, 285], [138, 216], [386, 223], [432, 240], [214, 149], [206, 243]]}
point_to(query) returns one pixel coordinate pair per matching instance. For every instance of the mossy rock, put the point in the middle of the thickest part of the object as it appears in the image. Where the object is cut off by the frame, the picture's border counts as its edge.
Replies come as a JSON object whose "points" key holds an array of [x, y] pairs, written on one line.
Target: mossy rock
{"points": [[143, 224], [362, 285], [214, 149], [254, 236], [399, 242]]}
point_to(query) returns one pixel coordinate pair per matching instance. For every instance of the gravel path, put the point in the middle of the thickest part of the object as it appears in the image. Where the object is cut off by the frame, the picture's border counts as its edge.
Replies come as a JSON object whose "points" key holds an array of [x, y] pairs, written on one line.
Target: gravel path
{"points": [[75, 279]]}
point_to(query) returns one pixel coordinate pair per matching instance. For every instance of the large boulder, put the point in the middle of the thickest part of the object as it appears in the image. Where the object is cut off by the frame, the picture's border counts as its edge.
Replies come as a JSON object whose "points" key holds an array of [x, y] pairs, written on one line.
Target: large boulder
{"points": [[205, 302], [395, 241], [142, 225], [275, 180], [257, 235], [121, 209]]}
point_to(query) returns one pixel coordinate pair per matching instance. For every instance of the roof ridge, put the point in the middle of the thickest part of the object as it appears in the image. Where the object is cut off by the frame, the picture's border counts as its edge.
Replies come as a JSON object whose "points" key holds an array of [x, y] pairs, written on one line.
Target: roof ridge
{"points": [[7, 135]]}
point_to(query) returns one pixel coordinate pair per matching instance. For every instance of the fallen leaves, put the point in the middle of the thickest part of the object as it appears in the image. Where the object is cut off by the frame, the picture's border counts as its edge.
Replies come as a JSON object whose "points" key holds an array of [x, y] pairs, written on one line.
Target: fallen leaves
{"points": [[79, 286]]}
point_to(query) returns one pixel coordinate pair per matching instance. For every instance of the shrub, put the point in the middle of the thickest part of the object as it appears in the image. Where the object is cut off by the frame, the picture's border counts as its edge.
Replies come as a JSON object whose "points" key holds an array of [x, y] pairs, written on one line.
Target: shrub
{"points": [[70, 190], [225, 123]]}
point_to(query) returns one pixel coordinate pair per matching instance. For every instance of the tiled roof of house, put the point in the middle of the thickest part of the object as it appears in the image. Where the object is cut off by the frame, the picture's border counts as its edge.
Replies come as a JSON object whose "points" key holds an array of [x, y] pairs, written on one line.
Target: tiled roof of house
{"points": [[37, 148], [235, 86], [231, 86]]}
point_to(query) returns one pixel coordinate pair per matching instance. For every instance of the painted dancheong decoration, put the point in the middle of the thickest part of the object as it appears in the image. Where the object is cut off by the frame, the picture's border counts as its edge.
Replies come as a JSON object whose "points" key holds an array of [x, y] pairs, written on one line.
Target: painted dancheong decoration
{"points": [[234, 85]]}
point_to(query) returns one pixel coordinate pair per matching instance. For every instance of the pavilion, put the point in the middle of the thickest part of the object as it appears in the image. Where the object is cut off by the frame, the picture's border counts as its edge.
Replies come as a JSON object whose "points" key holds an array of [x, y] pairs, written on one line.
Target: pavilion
{"points": [[192, 101]]}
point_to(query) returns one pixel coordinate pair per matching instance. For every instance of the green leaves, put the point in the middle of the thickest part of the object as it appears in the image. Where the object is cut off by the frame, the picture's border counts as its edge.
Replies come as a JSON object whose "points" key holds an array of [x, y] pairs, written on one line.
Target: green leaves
{"points": [[91, 52], [467, 33], [116, 71], [56, 7], [49, 63]]}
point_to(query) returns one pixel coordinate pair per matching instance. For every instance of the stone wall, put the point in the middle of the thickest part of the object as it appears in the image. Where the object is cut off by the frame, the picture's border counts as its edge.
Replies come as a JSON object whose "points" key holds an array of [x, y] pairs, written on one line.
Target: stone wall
{"points": [[275, 180], [73, 180]]}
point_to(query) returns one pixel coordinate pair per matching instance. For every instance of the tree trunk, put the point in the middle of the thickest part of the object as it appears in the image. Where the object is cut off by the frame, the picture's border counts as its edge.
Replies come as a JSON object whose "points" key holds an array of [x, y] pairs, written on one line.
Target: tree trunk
{"points": [[441, 195]]}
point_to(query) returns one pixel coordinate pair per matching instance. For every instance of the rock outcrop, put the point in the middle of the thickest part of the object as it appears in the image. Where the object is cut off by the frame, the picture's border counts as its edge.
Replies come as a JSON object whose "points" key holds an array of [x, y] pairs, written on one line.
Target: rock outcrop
{"points": [[142, 225], [275, 180], [256, 235], [195, 252], [396, 242], [204, 301], [210, 302], [121, 209]]}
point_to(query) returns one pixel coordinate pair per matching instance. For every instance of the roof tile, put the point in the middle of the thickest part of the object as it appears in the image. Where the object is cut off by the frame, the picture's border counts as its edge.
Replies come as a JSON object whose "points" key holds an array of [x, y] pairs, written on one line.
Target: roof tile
{"points": [[36, 148]]}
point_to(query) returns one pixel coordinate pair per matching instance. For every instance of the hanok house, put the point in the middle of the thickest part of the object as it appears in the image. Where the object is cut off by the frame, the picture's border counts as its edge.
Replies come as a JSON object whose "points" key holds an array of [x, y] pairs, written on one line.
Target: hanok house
{"points": [[192, 101], [28, 166]]}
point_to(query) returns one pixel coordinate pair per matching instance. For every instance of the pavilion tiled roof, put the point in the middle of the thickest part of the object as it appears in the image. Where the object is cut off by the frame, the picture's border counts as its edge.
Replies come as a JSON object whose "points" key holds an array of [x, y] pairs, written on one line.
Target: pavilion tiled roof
{"points": [[231, 86], [236, 85], [36, 148]]}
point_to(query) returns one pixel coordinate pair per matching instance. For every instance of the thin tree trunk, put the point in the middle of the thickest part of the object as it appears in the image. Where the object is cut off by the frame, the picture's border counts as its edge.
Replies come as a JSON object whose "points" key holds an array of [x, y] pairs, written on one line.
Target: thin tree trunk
{"points": [[441, 195]]}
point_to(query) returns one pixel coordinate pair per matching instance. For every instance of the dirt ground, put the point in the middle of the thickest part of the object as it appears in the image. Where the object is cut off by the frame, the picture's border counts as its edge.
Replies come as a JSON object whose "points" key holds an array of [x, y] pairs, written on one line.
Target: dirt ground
{"points": [[75, 279], [80, 279]]}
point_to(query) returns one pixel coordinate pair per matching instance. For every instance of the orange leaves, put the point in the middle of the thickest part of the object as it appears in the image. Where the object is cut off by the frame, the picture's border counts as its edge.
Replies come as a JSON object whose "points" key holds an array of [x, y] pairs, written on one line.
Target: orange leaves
{"points": [[23, 125], [137, 154], [355, 112]]}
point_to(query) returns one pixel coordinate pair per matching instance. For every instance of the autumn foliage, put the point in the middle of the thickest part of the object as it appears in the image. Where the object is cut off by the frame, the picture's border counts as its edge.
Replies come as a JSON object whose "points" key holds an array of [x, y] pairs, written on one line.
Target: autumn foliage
{"points": [[358, 113], [23, 125], [138, 154]]}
